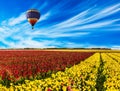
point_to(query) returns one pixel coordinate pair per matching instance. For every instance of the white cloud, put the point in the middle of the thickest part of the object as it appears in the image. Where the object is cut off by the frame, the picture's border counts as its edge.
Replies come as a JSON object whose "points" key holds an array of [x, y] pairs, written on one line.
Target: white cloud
{"points": [[102, 13], [29, 43], [43, 6], [17, 20], [45, 16], [73, 21], [117, 47], [1, 30], [56, 35], [96, 25], [74, 45], [82, 21], [96, 46]]}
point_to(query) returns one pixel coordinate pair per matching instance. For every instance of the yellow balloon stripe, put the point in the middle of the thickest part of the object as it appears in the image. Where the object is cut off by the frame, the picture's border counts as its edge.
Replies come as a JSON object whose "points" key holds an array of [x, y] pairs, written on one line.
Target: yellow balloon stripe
{"points": [[35, 19], [33, 10]]}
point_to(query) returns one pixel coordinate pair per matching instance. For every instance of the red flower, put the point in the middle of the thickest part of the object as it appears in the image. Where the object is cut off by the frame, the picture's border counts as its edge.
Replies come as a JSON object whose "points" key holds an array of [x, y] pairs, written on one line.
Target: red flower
{"points": [[49, 89]]}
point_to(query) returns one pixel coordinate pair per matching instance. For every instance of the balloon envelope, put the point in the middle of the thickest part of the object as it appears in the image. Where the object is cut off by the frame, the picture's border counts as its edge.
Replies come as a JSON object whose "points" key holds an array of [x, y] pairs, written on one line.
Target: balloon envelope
{"points": [[33, 16]]}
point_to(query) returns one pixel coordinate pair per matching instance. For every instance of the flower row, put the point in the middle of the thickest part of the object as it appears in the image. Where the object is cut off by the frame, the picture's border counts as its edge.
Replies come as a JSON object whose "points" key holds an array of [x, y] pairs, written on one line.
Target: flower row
{"points": [[111, 72]]}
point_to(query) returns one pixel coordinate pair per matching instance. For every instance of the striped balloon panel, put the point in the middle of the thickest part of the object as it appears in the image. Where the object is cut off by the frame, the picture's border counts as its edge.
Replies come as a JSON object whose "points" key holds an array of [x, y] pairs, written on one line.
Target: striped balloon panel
{"points": [[33, 14]]}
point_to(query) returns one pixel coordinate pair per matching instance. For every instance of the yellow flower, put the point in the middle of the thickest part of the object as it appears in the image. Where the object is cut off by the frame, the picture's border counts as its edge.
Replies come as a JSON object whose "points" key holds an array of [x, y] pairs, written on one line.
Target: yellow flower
{"points": [[74, 89], [64, 88], [11, 88]]}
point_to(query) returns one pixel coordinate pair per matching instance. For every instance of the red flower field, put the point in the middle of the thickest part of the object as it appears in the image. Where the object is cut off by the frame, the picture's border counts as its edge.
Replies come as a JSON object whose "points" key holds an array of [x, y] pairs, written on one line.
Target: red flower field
{"points": [[15, 64]]}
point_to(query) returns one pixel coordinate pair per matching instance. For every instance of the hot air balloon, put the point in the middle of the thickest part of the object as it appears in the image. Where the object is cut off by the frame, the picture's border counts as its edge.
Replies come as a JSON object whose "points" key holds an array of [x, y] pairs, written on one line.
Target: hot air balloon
{"points": [[33, 16]]}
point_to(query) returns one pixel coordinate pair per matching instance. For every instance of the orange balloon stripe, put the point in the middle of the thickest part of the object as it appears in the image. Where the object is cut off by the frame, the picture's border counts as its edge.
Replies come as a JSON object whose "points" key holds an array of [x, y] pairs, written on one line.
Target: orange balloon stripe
{"points": [[32, 20]]}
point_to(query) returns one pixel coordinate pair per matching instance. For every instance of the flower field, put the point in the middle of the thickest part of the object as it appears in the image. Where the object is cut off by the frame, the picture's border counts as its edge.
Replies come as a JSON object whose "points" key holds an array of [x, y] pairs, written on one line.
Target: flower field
{"points": [[16, 66], [59, 71]]}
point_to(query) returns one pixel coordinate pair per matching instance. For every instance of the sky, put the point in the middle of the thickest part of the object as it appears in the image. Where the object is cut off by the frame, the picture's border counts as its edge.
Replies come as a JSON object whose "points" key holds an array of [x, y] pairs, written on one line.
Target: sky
{"points": [[63, 24]]}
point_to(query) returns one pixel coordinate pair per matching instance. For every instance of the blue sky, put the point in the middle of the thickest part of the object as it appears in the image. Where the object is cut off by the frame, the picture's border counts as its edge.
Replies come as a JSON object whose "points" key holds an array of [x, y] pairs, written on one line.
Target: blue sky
{"points": [[63, 23]]}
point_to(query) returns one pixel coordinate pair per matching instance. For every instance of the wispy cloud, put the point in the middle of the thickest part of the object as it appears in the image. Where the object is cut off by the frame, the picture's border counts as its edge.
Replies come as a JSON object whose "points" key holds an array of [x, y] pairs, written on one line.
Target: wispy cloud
{"points": [[75, 20], [45, 16], [43, 6], [116, 47], [97, 25], [58, 35], [81, 22], [102, 13], [17, 20], [28, 43]]}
